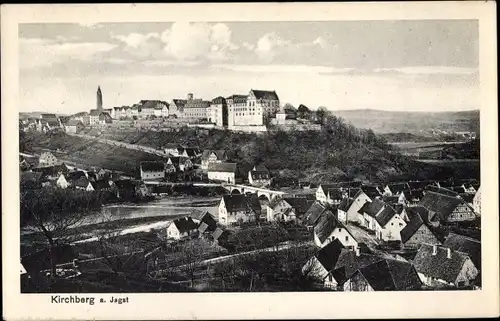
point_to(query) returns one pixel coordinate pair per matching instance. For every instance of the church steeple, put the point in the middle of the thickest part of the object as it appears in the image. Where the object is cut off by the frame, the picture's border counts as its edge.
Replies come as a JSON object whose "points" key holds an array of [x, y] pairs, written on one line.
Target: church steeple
{"points": [[99, 98]]}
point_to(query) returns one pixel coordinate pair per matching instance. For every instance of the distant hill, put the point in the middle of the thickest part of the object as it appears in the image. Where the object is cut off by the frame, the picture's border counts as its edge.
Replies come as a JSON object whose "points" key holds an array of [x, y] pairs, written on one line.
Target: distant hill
{"points": [[420, 123]]}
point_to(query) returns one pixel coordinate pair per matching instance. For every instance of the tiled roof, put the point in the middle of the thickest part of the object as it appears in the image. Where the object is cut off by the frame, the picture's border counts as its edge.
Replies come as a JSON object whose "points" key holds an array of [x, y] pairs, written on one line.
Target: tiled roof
{"points": [[398, 188], [391, 275], [314, 212], [198, 214], [197, 103], [180, 102], [238, 98], [442, 204], [334, 193], [349, 262], [219, 232], [466, 245], [417, 185], [370, 191], [326, 224], [222, 167], [74, 122], [94, 112], [219, 100], [150, 166], [385, 216], [240, 202], [152, 104], [185, 224], [220, 153], [329, 255], [265, 94], [82, 182], [345, 204], [444, 191], [411, 227], [372, 208], [73, 176], [420, 211], [390, 199], [439, 266]]}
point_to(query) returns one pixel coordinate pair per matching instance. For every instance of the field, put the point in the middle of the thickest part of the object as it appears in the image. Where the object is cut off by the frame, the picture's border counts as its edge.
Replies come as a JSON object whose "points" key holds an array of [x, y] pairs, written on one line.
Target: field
{"points": [[417, 123]]}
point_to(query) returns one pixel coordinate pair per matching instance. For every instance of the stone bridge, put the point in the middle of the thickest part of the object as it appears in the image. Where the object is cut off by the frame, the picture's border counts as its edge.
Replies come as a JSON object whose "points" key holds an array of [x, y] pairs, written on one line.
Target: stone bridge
{"points": [[245, 189]]}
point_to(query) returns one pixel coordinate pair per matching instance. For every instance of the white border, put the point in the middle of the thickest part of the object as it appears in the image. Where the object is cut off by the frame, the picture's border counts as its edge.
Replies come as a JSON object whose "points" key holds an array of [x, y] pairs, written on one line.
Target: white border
{"points": [[254, 305]]}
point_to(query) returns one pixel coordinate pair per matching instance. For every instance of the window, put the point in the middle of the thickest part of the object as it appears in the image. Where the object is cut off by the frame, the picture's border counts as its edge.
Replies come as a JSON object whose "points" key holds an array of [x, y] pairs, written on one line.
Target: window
{"points": [[340, 229], [347, 238]]}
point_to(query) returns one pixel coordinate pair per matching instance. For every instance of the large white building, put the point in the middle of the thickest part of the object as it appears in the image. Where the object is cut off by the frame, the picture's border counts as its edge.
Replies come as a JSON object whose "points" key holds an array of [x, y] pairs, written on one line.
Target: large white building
{"points": [[222, 172], [252, 109]]}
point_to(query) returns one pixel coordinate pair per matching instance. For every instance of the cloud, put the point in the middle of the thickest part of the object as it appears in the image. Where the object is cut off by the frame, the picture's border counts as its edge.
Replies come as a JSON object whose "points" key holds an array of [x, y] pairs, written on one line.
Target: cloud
{"points": [[269, 45], [280, 69], [136, 39], [39, 52]]}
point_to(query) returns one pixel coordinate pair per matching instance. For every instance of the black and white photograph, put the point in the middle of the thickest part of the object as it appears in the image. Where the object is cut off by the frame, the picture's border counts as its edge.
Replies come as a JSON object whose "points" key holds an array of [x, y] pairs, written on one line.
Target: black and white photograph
{"points": [[249, 156]]}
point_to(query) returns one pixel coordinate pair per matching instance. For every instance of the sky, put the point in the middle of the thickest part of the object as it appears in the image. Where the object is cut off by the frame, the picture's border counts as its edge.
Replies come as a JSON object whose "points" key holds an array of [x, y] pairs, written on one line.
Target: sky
{"points": [[405, 65]]}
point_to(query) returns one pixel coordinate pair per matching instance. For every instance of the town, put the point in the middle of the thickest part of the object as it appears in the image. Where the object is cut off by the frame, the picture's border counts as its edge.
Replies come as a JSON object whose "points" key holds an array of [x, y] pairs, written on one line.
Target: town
{"points": [[255, 229]]}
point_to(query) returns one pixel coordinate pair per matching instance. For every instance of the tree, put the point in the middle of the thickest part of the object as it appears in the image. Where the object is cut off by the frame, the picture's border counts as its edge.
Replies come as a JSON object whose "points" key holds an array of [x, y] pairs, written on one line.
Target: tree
{"points": [[289, 108], [191, 259], [53, 213], [303, 111], [321, 114]]}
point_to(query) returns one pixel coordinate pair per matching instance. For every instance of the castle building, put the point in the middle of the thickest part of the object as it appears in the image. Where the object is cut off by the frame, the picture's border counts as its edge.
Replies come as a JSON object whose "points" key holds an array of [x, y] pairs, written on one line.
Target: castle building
{"points": [[217, 112], [252, 109]]}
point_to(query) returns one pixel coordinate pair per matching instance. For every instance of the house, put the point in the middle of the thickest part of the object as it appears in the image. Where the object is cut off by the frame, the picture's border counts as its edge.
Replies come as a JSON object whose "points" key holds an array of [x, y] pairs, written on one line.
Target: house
{"points": [[61, 181], [172, 149], [417, 185], [466, 245], [370, 210], [384, 275], [396, 189], [330, 193], [105, 118], [204, 217], [476, 202], [151, 170], [328, 228], [75, 175], [323, 261], [239, 208], [363, 194], [220, 236], [217, 113], [181, 163], [103, 185], [444, 191], [264, 101], [125, 189], [287, 208], [386, 223], [52, 173], [181, 228], [83, 183], [177, 107], [74, 126], [447, 209], [417, 230], [313, 214], [195, 109], [212, 156], [342, 209], [47, 159], [222, 172], [441, 266], [259, 176], [395, 199]]}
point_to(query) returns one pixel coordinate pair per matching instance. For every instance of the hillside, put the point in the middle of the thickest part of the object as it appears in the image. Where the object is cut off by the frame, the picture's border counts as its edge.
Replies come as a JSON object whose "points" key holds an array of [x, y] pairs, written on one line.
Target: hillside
{"points": [[85, 152], [419, 123], [338, 152]]}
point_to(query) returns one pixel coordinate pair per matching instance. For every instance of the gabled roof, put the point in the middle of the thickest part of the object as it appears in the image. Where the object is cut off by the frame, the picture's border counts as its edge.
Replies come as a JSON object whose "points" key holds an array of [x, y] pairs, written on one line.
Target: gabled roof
{"points": [[444, 191], [222, 167], [240, 202], [75, 175], [259, 174], [345, 204], [419, 211], [82, 182], [219, 100], [101, 184], [326, 224], [220, 154], [300, 204], [390, 199], [152, 104], [391, 275], [335, 193], [372, 208], [411, 227], [261, 168], [190, 152], [329, 255], [185, 224], [238, 98], [385, 216], [219, 232], [151, 166], [179, 102], [198, 214], [398, 188], [439, 266], [314, 212], [370, 191], [74, 122], [348, 263], [417, 185], [197, 103], [466, 245], [442, 204], [203, 227], [265, 94]]}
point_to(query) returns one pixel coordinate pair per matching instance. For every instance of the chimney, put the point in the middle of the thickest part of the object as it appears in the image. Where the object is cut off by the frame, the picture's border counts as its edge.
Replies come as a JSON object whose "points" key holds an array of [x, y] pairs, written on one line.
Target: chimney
{"points": [[448, 254], [190, 96], [434, 249]]}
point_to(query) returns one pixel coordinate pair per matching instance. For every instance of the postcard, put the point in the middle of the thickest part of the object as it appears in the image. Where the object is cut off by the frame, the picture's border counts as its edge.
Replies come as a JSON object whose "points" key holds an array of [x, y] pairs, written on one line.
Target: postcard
{"points": [[270, 160]]}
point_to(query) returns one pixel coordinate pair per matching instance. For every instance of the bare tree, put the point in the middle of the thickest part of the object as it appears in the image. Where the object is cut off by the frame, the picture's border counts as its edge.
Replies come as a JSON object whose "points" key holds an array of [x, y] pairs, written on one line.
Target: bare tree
{"points": [[191, 260]]}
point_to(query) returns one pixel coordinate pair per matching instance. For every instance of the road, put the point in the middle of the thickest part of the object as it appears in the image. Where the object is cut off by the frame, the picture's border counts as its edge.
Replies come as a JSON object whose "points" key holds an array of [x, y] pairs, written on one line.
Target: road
{"points": [[146, 149]]}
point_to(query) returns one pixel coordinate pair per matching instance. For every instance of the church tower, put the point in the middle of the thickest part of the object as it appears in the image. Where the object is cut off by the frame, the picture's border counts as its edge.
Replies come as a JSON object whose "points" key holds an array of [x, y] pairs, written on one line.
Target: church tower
{"points": [[99, 99]]}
